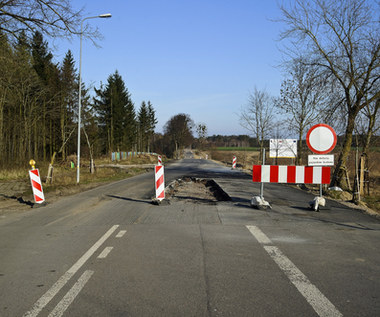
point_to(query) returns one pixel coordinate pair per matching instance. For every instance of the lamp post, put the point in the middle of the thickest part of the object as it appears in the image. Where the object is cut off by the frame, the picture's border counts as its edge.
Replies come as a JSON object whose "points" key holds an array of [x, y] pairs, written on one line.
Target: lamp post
{"points": [[106, 15]]}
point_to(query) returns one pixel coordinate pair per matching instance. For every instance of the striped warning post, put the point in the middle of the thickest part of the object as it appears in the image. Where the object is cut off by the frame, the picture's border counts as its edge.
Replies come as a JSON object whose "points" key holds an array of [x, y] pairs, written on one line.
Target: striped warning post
{"points": [[159, 160], [291, 174], [35, 180], [159, 182], [234, 162]]}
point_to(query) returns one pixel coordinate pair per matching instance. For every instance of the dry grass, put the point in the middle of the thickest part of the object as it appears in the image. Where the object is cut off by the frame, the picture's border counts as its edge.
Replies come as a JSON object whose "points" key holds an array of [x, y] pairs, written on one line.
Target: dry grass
{"points": [[65, 177], [13, 174], [245, 159]]}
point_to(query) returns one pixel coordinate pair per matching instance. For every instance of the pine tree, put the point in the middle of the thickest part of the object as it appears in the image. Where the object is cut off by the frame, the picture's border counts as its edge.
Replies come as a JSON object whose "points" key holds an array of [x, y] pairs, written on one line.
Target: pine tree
{"points": [[152, 124], [48, 74], [130, 125], [6, 65], [143, 126], [42, 57], [23, 104], [69, 98], [116, 114]]}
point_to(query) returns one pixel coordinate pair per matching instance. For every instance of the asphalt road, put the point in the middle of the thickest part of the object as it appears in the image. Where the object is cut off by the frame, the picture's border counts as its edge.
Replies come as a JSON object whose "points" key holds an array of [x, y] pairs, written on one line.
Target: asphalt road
{"points": [[110, 252]]}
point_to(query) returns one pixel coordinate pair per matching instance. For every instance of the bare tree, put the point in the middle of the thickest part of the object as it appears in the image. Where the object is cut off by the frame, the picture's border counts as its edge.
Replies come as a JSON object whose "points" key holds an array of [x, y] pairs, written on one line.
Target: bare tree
{"points": [[303, 99], [55, 18], [258, 116], [343, 38], [202, 134], [372, 114]]}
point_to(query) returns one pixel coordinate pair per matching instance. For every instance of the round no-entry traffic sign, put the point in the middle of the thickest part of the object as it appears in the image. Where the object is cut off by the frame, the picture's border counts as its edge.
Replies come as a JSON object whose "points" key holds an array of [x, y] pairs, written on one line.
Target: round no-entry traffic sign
{"points": [[321, 138]]}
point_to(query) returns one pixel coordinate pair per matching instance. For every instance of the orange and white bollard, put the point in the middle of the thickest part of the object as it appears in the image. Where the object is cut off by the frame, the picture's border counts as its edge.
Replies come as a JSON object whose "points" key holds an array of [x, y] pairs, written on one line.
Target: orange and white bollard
{"points": [[159, 157], [159, 182], [234, 162], [35, 180]]}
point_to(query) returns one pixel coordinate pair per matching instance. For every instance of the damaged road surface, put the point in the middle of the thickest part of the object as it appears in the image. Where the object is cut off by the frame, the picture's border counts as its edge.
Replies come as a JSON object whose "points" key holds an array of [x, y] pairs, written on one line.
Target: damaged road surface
{"points": [[195, 190], [202, 252]]}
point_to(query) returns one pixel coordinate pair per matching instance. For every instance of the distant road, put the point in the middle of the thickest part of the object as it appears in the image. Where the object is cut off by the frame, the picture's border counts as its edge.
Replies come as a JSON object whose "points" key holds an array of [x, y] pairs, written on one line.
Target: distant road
{"points": [[188, 154], [110, 252]]}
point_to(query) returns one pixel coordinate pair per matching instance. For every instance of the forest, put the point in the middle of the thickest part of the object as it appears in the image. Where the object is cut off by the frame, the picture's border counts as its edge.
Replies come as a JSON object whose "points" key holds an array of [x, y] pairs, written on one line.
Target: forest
{"points": [[39, 107]]}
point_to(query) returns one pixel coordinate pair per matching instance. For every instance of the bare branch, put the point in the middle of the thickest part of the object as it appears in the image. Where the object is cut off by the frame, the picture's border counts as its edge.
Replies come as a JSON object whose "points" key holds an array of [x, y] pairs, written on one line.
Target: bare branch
{"points": [[55, 18]]}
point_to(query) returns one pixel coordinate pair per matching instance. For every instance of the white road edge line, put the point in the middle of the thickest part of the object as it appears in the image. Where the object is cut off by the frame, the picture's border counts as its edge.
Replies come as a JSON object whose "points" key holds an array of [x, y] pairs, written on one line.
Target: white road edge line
{"points": [[105, 252], [121, 234], [322, 306], [48, 296], [71, 295]]}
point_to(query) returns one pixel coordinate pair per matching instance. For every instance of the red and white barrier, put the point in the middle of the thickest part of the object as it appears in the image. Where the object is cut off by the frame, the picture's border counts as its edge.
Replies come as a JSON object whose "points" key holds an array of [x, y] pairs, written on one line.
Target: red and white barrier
{"points": [[35, 180], [234, 162], [291, 174], [159, 157], [159, 182]]}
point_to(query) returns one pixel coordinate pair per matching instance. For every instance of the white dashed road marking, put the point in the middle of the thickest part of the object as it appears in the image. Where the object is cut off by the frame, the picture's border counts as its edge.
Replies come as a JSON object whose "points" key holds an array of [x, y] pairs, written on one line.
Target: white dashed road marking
{"points": [[105, 252], [48, 296], [121, 233], [322, 306]]}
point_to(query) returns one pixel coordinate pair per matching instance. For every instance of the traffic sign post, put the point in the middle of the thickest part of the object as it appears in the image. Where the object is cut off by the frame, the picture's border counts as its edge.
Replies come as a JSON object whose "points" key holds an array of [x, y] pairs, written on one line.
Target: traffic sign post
{"points": [[321, 139]]}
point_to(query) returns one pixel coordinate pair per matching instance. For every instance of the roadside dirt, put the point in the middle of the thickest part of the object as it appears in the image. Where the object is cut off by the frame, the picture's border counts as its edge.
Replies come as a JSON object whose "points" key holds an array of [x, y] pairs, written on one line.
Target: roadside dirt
{"points": [[12, 195]]}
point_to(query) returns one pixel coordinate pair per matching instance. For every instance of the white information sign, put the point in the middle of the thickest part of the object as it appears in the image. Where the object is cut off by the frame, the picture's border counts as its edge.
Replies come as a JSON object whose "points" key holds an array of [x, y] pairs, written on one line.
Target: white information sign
{"points": [[283, 148], [321, 160]]}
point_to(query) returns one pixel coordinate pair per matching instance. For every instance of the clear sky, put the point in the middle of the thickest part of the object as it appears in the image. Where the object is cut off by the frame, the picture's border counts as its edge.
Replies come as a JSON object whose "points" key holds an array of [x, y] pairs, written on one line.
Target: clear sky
{"points": [[199, 57]]}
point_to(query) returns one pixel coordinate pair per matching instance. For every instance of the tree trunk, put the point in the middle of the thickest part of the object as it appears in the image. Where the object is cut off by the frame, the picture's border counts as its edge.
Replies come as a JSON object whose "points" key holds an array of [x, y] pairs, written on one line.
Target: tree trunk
{"points": [[51, 137], [63, 126], [339, 178], [2, 101], [367, 142], [36, 140], [368, 137], [44, 131], [92, 166], [261, 143], [299, 149], [49, 177]]}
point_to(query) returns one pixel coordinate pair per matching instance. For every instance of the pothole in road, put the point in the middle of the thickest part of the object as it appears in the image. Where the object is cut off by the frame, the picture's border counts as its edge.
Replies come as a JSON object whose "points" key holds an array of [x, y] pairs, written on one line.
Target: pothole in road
{"points": [[196, 190]]}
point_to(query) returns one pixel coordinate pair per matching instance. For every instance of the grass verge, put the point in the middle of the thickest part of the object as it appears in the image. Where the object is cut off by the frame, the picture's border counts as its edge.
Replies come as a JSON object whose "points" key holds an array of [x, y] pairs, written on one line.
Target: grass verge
{"points": [[15, 183]]}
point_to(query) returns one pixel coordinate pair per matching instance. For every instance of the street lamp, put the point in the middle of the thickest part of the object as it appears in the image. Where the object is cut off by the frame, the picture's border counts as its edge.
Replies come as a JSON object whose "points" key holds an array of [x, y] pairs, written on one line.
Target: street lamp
{"points": [[105, 15]]}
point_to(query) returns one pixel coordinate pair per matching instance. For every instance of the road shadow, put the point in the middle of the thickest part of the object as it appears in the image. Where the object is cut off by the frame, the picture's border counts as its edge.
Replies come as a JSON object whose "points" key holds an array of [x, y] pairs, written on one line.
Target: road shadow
{"points": [[242, 205], [349, 225], [310, 214], [131, 199]]}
